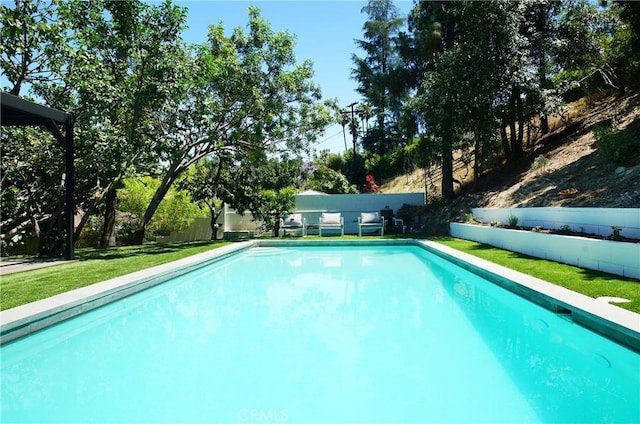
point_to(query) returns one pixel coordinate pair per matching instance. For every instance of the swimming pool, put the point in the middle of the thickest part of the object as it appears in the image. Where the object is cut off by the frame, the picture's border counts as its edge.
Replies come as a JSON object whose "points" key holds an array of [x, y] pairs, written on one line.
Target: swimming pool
{"points": [[357, 333]]}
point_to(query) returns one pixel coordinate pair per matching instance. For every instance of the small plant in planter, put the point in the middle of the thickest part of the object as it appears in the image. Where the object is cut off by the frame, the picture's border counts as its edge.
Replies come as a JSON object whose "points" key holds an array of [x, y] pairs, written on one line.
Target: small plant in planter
{"points": [[615, 233], [565, 229], [495, 224], [513, 221], [469, 218]]}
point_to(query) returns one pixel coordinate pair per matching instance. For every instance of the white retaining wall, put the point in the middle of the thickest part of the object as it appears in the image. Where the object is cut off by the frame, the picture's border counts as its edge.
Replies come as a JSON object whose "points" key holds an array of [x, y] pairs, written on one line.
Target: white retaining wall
{"points": [[350, 206], [589, 220], [603, 255]]}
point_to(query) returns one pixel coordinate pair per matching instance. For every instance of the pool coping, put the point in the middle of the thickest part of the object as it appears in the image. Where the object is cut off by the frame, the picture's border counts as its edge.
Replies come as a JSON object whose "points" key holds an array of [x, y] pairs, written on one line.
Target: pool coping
{"points": [[615, 323]]}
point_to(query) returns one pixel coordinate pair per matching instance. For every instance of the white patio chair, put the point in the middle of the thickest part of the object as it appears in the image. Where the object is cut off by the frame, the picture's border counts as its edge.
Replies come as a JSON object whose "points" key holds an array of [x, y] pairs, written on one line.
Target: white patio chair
{"points": [[370, 220], [331, 221]]}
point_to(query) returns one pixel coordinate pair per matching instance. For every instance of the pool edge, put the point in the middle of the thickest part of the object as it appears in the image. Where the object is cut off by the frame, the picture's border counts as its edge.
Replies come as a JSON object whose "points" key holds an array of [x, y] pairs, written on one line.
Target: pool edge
{"points": [[612, 322], [29, 318]]}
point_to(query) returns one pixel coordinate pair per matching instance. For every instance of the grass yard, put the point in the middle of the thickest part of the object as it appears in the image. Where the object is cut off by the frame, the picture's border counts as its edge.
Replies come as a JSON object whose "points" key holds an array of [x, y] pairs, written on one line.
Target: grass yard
{"points": [[92, 266], [95, 265], [585, 281]]}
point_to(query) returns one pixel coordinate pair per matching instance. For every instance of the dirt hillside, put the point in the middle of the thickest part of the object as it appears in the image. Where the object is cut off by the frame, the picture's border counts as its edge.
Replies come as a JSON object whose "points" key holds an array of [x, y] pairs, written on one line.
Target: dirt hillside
{"points": [[572, 162]]}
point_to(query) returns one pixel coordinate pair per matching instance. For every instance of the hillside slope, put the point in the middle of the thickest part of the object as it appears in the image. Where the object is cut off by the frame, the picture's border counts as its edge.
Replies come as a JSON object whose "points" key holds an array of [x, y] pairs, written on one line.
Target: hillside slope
{"points": [[572, 162]]}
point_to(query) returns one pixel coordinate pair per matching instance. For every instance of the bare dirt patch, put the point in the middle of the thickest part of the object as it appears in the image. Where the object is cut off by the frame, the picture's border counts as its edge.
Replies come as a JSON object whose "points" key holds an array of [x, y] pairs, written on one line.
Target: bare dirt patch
{"points": [[573, 163]]}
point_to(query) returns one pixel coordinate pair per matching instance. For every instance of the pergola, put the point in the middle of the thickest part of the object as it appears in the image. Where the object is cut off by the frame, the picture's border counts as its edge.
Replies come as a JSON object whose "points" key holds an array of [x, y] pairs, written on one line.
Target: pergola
{"points": [[19, 112]]}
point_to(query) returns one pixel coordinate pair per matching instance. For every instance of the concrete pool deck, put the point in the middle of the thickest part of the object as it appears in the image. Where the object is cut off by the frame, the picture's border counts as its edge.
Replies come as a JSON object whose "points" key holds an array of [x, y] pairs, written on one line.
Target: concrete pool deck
{"points": [[615, 323]]}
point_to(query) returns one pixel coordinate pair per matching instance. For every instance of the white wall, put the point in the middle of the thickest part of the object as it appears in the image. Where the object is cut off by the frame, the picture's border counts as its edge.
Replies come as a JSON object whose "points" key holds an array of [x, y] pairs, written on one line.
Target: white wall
{"points": [[235, 222], [349, 205], [603, 255], [590, 220], [200, 229]]}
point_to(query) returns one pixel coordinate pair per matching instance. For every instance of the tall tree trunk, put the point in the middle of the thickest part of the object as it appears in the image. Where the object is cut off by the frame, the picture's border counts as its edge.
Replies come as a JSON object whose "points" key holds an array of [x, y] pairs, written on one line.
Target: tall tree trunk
{"points": [[517, 150], [214, 221], [170, 177], [477, 166], [544, 124], [542, 16], [109, 226], [447, 138], [512, 122], [505, 142], [94, 204], [447, 169]]}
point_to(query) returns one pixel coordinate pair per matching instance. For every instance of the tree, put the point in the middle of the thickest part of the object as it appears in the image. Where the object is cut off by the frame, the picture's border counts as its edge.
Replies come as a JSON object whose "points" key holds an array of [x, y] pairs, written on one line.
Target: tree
{"points": [[377, 74], [245, 96], [327, 180], [32, 40], [176, 212], [623, 47], [127, 60], [32, 188], [109, 63], [205, 183], [435, 102]]}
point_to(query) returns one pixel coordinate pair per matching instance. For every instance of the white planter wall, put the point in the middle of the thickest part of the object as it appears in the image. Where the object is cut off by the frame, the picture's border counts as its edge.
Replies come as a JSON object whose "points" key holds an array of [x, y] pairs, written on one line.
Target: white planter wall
{"points": [[602, 255], [589, 220]]}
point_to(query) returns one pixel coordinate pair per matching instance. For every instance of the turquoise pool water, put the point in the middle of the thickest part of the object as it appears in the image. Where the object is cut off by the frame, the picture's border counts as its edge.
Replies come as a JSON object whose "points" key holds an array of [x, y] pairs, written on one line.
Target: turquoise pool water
{"points": [[321, 335]]}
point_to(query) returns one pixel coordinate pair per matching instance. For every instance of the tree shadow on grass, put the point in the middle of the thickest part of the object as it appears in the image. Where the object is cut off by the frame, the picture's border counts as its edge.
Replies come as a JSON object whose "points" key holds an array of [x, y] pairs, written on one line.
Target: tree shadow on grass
{"points": [[109, 253]]}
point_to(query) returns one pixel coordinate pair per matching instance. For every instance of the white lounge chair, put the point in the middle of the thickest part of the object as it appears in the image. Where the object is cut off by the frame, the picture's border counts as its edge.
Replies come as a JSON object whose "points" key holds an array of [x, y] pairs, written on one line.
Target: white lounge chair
{"points": [[293, 222], [370, 220], [331, 221]]}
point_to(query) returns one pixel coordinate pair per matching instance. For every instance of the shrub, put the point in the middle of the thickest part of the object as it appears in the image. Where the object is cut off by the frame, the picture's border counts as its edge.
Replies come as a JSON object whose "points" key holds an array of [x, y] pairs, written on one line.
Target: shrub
{"points": [[622, 147], [329, 181], [539, 164], [370, 185]]}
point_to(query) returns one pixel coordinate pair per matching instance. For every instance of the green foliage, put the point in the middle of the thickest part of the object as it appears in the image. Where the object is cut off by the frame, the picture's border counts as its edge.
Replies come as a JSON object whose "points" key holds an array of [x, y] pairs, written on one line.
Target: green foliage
{"points": [[615, 233], [539, 163], [388, 165], [356, 171], [623, 48], [565, 229], [336, 162], [379, 74], [32, 43], [329, 181], [31, 190], [271, 205], [512, 220], [621, 147], [175, 213], [91, 233], [232, 81]]}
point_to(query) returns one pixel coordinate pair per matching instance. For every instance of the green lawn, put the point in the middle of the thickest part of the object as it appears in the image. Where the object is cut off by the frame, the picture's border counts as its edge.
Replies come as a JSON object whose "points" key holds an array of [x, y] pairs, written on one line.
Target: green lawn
{"points": [[591, 283], [95, 265], [92, 266]]}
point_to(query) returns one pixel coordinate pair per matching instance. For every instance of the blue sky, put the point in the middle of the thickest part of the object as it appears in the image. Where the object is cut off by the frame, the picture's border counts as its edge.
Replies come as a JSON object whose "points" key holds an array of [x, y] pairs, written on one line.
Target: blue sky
{"points": [[325, 32]]}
